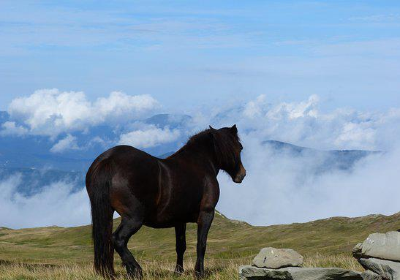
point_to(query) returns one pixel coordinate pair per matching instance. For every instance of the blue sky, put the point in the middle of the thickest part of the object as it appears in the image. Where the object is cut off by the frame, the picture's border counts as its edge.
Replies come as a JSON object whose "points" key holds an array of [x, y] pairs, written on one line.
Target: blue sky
{"points": [[191, 53], [319, 74]]}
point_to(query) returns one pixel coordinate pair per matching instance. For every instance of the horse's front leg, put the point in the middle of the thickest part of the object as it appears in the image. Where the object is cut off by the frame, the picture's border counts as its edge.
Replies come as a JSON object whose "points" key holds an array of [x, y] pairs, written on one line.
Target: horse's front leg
{"points": [[203, 226], [180, 233]]}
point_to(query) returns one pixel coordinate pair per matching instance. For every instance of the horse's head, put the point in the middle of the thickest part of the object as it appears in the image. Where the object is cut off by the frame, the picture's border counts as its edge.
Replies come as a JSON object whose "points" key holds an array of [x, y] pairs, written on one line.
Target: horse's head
{"points": [[228, 148]]}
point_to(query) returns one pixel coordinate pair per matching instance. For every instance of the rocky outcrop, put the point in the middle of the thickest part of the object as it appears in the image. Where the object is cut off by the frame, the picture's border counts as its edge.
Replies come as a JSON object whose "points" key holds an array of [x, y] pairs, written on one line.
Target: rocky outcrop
{"points": [[284, 264], [379, 254], [385, 269], [277, 258], [297, 273]]}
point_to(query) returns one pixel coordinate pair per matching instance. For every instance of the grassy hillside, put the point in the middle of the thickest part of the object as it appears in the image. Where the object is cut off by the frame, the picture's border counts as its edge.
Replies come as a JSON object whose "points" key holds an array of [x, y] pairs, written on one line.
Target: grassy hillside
{"points": [[323, 242]]}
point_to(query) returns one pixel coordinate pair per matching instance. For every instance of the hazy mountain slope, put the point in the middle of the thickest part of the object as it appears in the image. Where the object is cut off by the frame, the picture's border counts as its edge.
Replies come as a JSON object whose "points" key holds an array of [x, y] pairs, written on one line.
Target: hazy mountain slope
{"points": [[33, 181], [228, 239], [39, 169], [325, 160]]}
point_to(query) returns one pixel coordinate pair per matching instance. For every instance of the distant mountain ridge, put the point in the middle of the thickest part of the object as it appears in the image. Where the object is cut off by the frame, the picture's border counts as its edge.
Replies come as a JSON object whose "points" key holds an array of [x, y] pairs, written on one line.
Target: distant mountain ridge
{"points": [[328, 160], [30, 155]]}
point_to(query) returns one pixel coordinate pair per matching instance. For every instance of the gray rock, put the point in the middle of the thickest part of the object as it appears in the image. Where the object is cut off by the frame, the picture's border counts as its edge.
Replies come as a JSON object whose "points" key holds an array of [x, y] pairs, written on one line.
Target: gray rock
{"points": [[323, 274], [248, 272], [276, 258], [387, 269], [380, 245], [297, 273], [369, 275]]}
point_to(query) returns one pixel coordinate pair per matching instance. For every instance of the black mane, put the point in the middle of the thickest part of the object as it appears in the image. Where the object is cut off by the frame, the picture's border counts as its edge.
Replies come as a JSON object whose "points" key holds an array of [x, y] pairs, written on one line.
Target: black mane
{"points": [[222, 141]]}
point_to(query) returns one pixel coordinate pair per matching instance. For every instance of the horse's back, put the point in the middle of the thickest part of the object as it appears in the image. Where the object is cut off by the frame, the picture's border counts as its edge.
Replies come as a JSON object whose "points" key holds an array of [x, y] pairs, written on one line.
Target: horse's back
{"points": [[134, 176], [125, 160]]}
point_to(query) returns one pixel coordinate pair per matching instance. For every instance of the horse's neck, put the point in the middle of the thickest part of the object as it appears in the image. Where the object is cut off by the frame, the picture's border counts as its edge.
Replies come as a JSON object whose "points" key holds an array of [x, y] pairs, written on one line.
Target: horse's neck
{"points": [[201, 155]]}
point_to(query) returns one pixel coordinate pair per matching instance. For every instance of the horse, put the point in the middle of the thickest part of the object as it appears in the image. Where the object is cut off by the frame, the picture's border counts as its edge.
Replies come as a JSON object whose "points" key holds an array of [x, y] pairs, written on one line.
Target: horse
{"points": [[159, 193]]}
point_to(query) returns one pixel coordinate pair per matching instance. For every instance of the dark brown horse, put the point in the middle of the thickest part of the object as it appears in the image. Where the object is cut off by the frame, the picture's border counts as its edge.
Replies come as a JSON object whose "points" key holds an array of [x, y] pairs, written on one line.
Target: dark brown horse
{"points": [[159, 193]]}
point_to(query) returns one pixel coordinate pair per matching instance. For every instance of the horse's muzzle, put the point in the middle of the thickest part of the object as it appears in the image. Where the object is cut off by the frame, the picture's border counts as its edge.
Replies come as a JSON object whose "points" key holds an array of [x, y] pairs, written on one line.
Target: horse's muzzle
{"points": [[239, 177]]}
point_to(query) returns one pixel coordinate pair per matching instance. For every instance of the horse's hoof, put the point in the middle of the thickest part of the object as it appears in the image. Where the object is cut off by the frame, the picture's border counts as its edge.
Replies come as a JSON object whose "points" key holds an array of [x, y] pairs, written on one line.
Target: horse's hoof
{"points": [[135, 273], [179, 270], [200, 274]]}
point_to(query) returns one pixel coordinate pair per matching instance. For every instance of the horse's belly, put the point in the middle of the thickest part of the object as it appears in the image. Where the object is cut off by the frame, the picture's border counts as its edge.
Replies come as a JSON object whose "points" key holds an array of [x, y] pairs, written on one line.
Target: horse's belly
{"points": [[167, 219]]}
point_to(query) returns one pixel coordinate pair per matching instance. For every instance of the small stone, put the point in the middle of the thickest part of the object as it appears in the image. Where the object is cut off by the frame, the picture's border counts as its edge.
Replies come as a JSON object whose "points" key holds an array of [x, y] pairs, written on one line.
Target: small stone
{"points": [[277, 258]]}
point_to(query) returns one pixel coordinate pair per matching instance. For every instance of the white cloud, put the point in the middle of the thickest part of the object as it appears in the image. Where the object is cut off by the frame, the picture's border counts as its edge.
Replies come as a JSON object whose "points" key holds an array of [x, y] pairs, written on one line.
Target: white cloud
{"points": [[356, 135], [119, 104], [149, 137], [54, 205], [67, 143], [11, 128], [51, 112], [280, 188], [254, 108], [303, 123]]}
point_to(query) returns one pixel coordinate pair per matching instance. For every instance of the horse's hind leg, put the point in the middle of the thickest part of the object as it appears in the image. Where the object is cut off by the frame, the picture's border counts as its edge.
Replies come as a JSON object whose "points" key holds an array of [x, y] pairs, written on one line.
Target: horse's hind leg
{"points": [[180, 233], [128, 227]]}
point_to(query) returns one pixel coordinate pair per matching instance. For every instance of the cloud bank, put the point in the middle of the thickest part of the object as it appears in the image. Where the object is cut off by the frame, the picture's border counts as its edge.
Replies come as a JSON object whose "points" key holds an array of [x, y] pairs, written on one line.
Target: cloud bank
{"points": [[56, 204], [51, 112], [279, 187], [303, 123]]}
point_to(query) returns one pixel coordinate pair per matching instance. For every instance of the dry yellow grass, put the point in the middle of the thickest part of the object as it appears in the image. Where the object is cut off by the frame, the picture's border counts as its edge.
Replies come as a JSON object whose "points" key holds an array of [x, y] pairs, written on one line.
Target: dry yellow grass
{"points": [[342, 261], [68, 252], [216, 269]]}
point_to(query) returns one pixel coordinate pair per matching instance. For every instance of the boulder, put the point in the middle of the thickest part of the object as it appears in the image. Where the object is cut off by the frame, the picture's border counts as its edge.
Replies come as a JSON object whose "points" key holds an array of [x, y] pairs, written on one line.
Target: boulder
{"points": [[380, 245], [389, 270], [369, 275], [297, 273], [277, 258]]}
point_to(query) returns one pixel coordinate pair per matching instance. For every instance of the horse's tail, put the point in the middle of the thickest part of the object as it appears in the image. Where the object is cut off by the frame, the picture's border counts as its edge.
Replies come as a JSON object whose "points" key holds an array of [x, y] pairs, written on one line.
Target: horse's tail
{"points": [[98, 182]]}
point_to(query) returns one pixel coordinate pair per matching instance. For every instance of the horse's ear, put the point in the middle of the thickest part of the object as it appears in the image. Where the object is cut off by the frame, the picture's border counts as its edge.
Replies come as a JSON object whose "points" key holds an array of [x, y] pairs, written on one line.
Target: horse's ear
{"points": [[213, 131], [234, 129]]}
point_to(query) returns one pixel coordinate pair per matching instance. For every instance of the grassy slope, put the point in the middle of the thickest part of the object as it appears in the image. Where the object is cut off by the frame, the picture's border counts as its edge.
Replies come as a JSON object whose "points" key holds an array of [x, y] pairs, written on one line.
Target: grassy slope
{"points": [[227, 240]]}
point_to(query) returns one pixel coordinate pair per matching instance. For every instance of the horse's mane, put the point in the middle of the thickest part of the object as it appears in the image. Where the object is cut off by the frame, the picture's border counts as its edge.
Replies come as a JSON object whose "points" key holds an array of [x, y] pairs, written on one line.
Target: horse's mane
{"points": [[199, 137], [223, 144]]}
